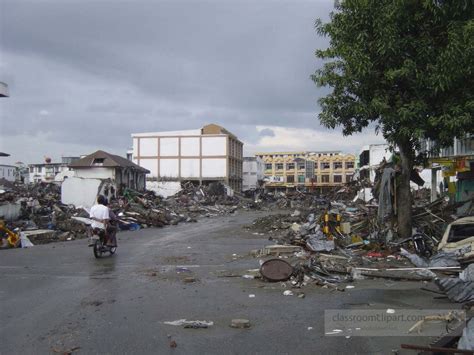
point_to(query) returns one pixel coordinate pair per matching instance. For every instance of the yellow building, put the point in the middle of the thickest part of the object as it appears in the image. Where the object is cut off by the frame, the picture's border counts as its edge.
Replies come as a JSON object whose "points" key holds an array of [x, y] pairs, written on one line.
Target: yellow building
{"points": [[286, 170]]}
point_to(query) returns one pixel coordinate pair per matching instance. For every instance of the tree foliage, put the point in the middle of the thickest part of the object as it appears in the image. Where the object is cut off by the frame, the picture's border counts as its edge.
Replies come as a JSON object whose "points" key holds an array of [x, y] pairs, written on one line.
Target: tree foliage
{"points": [[404, 65]]}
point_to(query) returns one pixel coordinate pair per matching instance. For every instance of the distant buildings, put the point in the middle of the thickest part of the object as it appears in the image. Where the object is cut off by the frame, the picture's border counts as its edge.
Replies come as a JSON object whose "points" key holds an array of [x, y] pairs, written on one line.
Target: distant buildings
{"points": [[202, 155], [290, 170], [50, 172], [253, 173], [7, 172]]}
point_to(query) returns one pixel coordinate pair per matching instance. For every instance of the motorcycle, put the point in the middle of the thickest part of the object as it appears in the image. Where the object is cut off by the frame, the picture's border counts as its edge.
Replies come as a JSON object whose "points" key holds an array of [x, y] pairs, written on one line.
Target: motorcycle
{"points": [[421, 243], [99, 243]]}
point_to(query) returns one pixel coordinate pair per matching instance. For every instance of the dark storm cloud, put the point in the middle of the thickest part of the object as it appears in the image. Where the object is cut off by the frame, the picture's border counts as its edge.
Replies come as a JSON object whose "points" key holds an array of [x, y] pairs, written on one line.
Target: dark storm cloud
{"points": [[93, 72]]}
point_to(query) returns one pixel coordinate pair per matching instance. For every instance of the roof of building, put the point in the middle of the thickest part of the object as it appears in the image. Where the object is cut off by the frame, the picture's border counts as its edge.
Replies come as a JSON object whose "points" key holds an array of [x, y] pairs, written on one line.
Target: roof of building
{"points": [[208, 129], [47, 164], [101, 159]]}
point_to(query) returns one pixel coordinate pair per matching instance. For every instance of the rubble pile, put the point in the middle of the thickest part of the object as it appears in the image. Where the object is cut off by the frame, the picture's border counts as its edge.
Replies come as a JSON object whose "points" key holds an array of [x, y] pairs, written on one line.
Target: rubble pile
{"points": [[40, 214], [41, 211], [344, 240]]}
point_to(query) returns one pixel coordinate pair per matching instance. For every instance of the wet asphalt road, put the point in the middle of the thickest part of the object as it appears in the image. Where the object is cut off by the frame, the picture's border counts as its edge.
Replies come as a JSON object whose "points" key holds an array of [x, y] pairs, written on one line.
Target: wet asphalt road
{"points": [[58, 297]]}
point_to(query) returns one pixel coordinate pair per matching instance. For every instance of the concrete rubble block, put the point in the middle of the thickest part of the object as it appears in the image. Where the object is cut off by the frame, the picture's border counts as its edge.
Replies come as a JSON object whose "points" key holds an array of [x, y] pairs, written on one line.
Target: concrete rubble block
{"points": [[240, 323], [346, 227], [10, 211], [281, 249], [40, 236]]}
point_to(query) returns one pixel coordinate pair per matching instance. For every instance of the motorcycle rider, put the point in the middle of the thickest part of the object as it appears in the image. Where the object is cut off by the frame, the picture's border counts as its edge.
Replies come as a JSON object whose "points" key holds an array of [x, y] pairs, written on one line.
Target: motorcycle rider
{"points": [[99, 214], [111, 229]]}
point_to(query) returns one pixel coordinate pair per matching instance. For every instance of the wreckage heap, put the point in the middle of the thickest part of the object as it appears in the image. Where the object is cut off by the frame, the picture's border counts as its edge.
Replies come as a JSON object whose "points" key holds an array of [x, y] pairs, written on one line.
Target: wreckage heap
{"points": [[39, 214]]}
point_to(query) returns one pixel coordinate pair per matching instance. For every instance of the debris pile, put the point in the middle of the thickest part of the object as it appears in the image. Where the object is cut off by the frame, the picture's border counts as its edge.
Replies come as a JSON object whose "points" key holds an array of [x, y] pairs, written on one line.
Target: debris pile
{"points": [[38, 211], [344, 240]]}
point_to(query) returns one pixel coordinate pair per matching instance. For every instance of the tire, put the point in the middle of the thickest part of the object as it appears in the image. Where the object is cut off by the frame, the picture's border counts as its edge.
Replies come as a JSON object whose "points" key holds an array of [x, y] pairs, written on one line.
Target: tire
{"points": [[97, 249]]}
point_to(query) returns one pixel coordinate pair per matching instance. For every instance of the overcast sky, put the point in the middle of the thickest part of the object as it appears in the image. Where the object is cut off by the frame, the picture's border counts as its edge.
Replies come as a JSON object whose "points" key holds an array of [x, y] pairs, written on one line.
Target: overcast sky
{"points": [[84, 75]]}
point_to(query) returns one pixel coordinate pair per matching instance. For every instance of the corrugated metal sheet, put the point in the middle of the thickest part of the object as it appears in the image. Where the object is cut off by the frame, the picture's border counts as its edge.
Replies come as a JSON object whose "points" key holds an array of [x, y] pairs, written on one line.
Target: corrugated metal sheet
{"points": [[456, 289]]}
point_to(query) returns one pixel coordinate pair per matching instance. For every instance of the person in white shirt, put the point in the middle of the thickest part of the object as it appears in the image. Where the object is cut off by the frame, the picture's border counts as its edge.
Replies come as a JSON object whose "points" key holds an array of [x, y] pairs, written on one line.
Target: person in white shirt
{"points": [[99, 214]]}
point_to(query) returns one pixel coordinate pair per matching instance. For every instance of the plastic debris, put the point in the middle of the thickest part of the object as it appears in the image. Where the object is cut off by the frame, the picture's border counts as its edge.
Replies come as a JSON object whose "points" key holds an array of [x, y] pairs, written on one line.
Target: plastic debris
{"points": [[190, 323]]}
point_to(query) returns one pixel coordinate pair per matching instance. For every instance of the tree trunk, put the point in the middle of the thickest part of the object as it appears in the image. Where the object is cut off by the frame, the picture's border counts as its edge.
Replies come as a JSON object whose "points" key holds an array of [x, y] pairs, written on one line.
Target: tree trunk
{"points": [[404, 198]]}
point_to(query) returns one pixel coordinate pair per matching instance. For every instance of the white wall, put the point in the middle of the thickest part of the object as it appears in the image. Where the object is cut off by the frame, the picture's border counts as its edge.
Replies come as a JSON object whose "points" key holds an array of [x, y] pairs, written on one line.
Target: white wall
{"points": [[377, 152], [190, 147], [169, 168], [80, 192], [425, 174], [213, 168], [212, 146], [95, 173], [65, 174], [135, 147], [148, 147], [190, 168], [164, 188], [150, 164], [253, 171], [7, 172], [169, 147]]}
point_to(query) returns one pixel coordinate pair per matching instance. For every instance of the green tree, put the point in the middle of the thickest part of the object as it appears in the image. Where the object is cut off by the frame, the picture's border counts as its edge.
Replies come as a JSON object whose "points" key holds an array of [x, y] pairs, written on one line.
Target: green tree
{"points": [[403, 67]]}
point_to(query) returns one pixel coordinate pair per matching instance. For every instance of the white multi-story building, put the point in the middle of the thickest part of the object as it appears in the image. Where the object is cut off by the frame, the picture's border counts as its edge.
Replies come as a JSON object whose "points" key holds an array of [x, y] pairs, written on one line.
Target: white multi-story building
{"points": [[48, 171], [208, 154], [253, 173], [7, 172]]}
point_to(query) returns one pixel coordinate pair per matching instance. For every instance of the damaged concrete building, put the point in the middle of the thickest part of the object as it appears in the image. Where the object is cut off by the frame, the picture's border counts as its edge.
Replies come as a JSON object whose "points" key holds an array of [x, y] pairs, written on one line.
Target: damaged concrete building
{"points": [[202, 155], [370, 158], [290, 170], [253, 173], [456, 166], [101, 173]]}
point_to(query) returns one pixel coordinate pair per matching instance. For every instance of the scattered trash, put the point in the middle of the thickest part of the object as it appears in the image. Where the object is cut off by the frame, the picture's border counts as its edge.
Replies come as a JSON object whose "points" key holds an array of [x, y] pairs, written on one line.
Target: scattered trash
{"points": [[251, 296], [195, 324], [466, 342], [334, 331], [448, 318], [189, 280], [287, 293]]}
